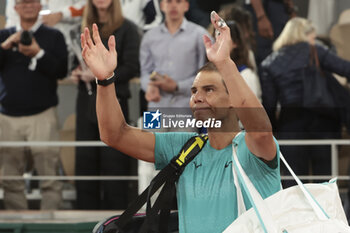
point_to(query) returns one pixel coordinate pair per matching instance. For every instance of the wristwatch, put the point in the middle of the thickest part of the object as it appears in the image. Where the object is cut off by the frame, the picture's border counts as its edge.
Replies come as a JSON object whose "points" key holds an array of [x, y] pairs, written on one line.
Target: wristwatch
{"points": [[106, 81]]}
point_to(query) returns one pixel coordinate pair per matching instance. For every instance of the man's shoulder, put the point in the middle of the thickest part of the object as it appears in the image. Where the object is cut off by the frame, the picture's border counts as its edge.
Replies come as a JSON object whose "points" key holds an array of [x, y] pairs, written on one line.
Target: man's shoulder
{"points": [[9, 29], [175, 136], [6, 32], [239, 138], [196, 27], [168, 145], [152, 36], [173, 139], [153, 32]]}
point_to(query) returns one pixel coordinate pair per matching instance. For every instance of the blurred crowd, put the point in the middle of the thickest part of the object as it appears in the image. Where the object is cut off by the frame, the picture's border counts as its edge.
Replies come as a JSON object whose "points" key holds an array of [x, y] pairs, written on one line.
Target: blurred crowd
{"points": [[293, 69]]}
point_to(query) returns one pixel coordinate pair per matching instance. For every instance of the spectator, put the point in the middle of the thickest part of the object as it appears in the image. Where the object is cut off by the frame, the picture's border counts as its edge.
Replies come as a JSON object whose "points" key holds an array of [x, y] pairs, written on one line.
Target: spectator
{"points": [[243, 18], [282, 81], [240, 54], [104, 160], [175, 51], [269, 18], [206, 194], [64, 15], [29, 70], [144, 13]]}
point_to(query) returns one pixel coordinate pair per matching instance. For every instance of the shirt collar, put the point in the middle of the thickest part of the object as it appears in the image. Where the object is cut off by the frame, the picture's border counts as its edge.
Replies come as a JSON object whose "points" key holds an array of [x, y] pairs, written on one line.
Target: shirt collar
{"points": [[33, 29], [183, 26]]}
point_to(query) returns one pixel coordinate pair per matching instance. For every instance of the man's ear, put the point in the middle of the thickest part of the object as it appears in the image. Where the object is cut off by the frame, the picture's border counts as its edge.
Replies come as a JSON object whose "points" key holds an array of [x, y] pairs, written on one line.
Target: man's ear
{"points": [[16, 8], [187, 5], [161, 4]]}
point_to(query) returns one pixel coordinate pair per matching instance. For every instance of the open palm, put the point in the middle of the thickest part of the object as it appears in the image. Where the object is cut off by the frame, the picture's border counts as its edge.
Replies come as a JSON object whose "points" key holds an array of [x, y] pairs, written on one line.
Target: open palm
{"points": [[220, 50], [102, 62]]}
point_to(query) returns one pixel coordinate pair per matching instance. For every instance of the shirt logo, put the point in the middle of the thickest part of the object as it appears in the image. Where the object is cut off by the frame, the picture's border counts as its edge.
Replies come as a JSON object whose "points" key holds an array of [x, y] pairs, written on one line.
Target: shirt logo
{"points": [[197, 165], [228, 164], [151, 120]]}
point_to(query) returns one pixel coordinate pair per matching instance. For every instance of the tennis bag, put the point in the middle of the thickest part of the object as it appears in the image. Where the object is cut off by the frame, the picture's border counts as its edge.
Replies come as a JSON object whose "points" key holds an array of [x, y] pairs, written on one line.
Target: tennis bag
{"points": [[156, 219], [309, 208]]}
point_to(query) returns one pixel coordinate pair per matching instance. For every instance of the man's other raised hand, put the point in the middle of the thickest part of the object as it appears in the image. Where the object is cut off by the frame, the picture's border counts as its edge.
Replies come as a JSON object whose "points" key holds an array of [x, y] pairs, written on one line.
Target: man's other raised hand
{"points": [[102, 62]]}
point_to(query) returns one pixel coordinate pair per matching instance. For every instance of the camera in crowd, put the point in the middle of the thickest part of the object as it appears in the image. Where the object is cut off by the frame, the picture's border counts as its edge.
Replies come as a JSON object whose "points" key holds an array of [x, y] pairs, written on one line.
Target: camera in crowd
{"points": [[26, 38]]}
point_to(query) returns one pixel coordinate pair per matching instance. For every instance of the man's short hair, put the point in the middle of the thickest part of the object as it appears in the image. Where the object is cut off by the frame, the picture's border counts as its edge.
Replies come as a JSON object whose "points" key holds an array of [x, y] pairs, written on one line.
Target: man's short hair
{"points": [[208, 67]]}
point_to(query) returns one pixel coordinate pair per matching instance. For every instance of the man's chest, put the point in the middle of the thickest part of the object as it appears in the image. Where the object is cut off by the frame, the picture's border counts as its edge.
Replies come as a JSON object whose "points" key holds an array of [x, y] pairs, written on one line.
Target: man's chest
{"points": [[208, 176]]}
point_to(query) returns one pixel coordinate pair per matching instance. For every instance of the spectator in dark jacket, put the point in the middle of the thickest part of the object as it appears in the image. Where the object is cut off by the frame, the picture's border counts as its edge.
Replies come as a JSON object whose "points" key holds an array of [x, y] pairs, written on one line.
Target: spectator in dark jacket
{"points": [[104, 160], [269, 18], [29, 69], [282, 81]]}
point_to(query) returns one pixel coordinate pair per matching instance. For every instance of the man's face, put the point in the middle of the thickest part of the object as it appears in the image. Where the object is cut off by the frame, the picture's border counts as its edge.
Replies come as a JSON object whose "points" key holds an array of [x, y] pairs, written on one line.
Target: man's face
{"points": [[28, 9], [174, 9], [209, 97]]}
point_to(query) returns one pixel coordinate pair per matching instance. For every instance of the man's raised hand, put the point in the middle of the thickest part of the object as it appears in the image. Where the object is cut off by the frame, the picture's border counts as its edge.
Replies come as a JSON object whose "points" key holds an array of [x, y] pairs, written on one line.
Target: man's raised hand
{"points": [[220, 50], [102, 62]]}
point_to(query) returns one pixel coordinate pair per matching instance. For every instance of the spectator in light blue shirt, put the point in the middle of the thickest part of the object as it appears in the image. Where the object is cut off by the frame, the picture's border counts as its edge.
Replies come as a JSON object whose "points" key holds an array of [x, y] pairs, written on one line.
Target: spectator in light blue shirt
{"points": [[175, 51]]}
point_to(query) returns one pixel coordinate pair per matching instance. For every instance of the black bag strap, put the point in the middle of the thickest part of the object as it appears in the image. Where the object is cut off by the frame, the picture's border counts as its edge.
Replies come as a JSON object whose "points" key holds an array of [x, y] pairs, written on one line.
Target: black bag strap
{"points": [[154, 223], [165, 211], [168, 176]]}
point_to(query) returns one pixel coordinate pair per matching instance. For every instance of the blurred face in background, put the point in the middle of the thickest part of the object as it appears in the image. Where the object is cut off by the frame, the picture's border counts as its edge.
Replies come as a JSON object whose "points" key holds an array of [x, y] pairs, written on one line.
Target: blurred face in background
{"points": [[28, 10], [174, 9], [102, 4]]}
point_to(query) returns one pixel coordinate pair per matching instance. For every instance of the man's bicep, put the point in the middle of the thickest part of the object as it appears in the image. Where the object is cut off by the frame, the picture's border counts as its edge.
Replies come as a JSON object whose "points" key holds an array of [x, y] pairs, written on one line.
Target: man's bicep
{"points": [[137, 143]]}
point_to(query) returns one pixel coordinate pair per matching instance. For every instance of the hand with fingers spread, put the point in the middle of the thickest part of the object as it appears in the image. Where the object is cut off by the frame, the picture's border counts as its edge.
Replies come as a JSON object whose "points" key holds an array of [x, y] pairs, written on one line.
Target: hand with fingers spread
{"points": [[102, 62], [220, 50]]}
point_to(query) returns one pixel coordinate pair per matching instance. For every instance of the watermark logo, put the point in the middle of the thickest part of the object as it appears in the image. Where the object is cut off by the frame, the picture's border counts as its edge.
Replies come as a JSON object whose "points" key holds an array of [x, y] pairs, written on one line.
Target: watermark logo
{"points": [[157, 120], [152, 120]]}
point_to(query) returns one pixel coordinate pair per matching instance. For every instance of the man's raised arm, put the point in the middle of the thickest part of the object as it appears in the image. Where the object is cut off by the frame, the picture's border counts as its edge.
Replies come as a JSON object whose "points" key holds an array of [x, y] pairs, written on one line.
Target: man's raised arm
{"points": [[114, 130], [259, 137]]}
